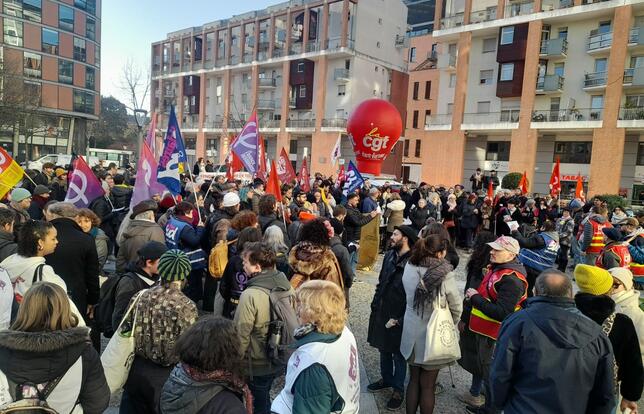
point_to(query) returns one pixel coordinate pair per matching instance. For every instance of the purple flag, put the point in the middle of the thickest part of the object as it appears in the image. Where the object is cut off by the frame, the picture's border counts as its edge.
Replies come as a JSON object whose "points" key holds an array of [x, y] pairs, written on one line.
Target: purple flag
{"points": [[150, 138], [146, 184], [246, 145], [84, 187]]}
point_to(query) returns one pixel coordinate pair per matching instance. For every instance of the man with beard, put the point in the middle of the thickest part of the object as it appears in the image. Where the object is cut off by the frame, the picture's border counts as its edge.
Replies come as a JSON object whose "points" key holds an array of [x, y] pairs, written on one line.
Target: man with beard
{"points": [[300, 202], [387, 313]]}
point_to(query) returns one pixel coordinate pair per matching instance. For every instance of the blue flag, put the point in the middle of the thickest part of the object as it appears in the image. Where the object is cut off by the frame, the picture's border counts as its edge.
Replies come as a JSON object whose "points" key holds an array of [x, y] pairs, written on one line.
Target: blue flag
{"points": [[173, 157], [354, 179]]}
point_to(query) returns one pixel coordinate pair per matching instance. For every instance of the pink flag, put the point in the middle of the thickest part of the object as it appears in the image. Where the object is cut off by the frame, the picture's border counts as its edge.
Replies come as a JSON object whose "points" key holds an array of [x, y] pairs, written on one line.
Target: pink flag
{"points": [[146, 184], [84, 187], [285, 169], [150, 139]]}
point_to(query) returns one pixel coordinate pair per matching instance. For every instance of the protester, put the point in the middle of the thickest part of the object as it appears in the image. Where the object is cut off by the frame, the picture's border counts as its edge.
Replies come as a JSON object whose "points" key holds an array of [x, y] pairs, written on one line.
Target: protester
{"points": [[342, 255], [627, 300], [438, 229], [89, 222], [419, 214], [59, 185], [46, 352], [592, 237], [141, 229], [370, 203], [274, 238], [565, 228], [8, 245], [353, 223], [20, 202], [618, 216], [449, 215], [322, 375], [387, 313], [394, 214], [538, 252], [208, 378], [615, 252], [229, 208], [268, 215], [550, 334], [427, 276], [634, 235], [40, 197], [469, 220], [161, 314]]}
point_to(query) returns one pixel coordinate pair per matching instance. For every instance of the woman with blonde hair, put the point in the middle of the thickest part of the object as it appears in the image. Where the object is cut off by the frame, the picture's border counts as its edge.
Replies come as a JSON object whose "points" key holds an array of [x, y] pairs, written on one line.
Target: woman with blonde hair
{"points": [[322, 375], [46, 357]]}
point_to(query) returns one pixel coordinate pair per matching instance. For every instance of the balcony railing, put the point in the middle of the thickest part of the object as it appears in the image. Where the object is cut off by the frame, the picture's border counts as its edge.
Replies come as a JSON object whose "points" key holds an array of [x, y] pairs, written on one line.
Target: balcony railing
{"points": [[509, 115], [341, 74], [190, 122], [334, 123], [634, 35], [567, 115], [519, 8], [599, 41], [631, 114], [300, 123], [594, 80], [452, 21], [265, 104], [547, 5], [439, 119], [168, 93], [312, 46], [267, 82], [217, 124], [550, 83], [269, 123], [634, 76], [485, 15], [554, 47]]}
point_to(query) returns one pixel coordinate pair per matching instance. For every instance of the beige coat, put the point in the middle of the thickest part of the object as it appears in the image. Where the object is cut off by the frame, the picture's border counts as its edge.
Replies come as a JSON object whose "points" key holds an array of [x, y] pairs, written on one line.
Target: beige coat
{"points": [[394, 213]]}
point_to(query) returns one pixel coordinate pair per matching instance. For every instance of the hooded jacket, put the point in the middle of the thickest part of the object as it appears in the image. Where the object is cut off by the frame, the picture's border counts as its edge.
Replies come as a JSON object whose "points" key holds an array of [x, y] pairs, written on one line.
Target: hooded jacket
{"points": [[311, 262], [135, 236], [533, 345], [40, 357], [394, 214], [8, 245], [628, 303], [21, 270]]}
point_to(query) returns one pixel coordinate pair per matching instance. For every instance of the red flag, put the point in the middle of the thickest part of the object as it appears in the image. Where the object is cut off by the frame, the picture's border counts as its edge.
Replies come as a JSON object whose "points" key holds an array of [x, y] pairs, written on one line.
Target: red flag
{"points": [[273, 183], [523, 184], [555, 180], [233, 165], [261, 155], [579, 190], [490, 190], [305, 180], [285, 170]]}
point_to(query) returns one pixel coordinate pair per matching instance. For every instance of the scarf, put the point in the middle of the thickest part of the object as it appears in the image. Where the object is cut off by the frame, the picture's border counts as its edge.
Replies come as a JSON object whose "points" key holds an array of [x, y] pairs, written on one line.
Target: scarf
{"points": [[430, 282], [226, 379]]}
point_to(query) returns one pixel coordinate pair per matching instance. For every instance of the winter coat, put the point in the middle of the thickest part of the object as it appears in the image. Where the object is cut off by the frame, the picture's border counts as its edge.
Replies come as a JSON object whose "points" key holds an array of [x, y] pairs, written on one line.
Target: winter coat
{"points": [[344, 260], [75, 260], [272, 220], [407, 198], [418, 217], [502, 228], [509, 289], [353, 223], [130, 284], [138, 233], [183, 395], [623, 337], [533, 344], [394, 214], [110, 220], [312, 262], [122, 195], [232, 284], [39, 357], [252, 318], [628, 303], [36, 206], [566, 230], [468, 219], [58, 190], [22, 269], [388, 302], [8, 245], [102, 250]]}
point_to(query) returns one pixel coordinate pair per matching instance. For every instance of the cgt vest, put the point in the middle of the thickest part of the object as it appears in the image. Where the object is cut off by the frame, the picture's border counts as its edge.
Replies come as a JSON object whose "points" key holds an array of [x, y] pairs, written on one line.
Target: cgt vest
{"points": [[597, 242], [340, 358], [173, 231], [541, 259], [636, 268], [480, 322], [619, 250]]}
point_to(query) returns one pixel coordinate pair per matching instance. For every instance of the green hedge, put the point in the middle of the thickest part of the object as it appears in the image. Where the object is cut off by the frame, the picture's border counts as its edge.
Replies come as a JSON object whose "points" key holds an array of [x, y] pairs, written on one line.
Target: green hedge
{"points": [[511, 180], [613, 200]]}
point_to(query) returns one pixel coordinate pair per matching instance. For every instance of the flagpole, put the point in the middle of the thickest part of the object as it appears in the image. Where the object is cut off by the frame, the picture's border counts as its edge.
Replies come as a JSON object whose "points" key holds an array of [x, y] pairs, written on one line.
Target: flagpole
{"points": [[29, 178], [194, 190]]}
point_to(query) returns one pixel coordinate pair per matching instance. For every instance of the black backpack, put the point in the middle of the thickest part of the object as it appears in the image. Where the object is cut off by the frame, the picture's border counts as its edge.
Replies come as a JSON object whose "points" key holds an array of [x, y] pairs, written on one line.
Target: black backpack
{"points": [[105, 307]]}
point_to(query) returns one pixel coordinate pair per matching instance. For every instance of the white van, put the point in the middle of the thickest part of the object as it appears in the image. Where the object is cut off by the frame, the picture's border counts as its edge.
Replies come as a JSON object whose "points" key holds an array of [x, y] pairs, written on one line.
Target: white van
{"points": [[58, 159]]}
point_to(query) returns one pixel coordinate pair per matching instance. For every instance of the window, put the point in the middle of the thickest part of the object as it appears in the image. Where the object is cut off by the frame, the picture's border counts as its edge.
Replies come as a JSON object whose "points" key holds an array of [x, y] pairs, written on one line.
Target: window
{"points": [[65, 18], [573, 152], [415, 94], [507, 72], [428, 89], [90, 29], [635, 101], [487, 77], [498, 151], [601, 65], [483, 107], [640, 154], [417, 148], [450, 108], [412, 54], [90, 78], [83, 102], [49, 41], [452, 80], [80, 53], [97, 56], [12, 32], [300, 67], [12, 8], [33, 91], [342, 90], [415, 120], [563, 33], [489, 45], [559, 69], [596, 107], [507, 35], [428, 115], [32, 65], [65, 71], [27, 9], [406, 148], [302, 91], [87, 5]]}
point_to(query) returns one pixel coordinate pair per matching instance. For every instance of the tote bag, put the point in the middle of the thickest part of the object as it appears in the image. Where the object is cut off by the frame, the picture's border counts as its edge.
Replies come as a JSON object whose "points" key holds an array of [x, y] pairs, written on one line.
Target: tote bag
{"points": [[119, 353], [441, 341]]}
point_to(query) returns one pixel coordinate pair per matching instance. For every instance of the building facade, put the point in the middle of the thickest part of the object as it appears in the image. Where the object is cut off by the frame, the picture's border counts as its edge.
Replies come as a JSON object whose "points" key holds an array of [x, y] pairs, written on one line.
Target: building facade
{"points": [[302, 65], [524, 82], [50, 63]]}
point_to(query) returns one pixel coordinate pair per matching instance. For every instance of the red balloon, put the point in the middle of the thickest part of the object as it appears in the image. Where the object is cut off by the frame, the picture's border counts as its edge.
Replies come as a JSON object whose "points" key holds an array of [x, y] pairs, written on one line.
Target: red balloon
{"points": [[374, 128]]}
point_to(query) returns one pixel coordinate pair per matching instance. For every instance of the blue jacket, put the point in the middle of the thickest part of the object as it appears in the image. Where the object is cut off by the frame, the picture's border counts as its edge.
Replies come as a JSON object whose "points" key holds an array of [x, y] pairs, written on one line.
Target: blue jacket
{"points": [[542, 257], [181, 235], [369, 205]]}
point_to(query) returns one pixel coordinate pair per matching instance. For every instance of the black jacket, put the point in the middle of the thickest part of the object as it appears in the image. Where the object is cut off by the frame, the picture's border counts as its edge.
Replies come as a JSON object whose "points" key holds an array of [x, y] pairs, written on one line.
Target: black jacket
{"points": [[75, 260], [102, 206], [502, 228], [232, 284], [509, 292], [344, 260], [8, 245], [389, 302], [40, 357], [534, 344], [122, 196], [128, 286], [272, 220], [353, 222], [624, 339], [418, 217], [407, 198], [468, 219]]}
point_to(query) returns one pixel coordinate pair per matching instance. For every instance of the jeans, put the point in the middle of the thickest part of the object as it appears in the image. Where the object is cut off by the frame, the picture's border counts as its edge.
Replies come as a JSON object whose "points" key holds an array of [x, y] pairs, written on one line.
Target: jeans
{"points": [[576, 252], [477, 384], [260, 387], [354, 260], [393, 369]]}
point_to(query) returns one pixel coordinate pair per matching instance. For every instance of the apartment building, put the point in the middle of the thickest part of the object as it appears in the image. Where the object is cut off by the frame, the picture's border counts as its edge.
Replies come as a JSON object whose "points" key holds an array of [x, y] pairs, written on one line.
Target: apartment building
{"points": [[50, 64], [302, 65], [522, 82]]}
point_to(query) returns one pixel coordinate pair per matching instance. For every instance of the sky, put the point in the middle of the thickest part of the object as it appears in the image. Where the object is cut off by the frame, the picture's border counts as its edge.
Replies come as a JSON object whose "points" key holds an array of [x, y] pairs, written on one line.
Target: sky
{"points": [[130, 26]]}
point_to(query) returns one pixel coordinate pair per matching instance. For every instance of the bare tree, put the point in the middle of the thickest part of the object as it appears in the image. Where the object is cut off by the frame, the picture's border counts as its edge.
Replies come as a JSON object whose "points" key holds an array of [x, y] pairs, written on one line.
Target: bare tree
{"points": [[136, 83]]}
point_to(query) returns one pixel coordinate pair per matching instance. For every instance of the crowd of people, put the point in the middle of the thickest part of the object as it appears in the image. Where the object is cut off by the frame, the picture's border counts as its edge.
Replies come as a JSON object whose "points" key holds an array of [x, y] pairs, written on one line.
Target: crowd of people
{"points": [[221, 289]]}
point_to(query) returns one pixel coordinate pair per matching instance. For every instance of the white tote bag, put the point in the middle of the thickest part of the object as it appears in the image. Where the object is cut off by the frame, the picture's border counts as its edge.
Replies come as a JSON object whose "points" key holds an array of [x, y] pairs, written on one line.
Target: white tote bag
{"points": [[119, 353], [441, 342]]}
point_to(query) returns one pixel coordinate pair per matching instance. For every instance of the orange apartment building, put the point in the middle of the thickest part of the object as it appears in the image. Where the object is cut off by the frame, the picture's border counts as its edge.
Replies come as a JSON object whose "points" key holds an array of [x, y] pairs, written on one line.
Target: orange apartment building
{"points": [[51, 51]]}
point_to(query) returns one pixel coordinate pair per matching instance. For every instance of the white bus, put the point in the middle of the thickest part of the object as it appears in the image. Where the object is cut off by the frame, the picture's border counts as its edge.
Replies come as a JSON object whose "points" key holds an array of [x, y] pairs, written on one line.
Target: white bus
{"points": [[120, 157]]}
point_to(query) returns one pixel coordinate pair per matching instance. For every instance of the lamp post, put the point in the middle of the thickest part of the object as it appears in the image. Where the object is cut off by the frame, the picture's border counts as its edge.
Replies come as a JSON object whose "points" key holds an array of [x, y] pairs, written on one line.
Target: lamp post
{"points": [[140, 115]]}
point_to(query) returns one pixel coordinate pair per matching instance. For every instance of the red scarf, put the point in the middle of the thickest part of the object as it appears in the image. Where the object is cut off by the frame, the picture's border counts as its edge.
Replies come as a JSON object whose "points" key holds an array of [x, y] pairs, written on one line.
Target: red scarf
{"points": [[225, 378]]}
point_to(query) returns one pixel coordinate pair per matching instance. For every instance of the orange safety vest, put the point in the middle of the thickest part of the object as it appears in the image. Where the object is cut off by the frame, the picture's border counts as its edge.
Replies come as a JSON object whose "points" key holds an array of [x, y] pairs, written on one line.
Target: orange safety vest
{"points": [[597, 242], [637, 268], [619, 250], [480, 322]]}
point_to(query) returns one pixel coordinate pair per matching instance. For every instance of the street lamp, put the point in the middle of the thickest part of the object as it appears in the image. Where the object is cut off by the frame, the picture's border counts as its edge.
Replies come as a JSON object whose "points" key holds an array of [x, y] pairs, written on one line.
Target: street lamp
{"points": [[140, 116]]}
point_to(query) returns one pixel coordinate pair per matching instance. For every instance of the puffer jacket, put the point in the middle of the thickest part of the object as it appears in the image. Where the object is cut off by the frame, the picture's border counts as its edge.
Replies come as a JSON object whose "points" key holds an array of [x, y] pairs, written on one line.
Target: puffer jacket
{"points": [[135, 236], [122, 195], [39, 357], [628, 303], [394, 213], [311, 262]]}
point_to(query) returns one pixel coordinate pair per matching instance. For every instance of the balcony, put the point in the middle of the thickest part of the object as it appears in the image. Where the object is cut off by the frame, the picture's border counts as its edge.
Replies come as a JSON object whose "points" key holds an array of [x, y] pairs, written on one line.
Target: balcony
{"points": [[439, 122], [452, 21], [265, 105], [311, 47], [485, 15], [567, 118], [334, 123], [548, 5], [341, 75], [248, 57], [234, 60], [506, 119], [598, 42], [554, 48], [401, 41], [634, 77], [267, 83], [190, 122], [300, 123], [596, 80], [519, 8], [550, 84], [292, 102], [277, 52], [216, 124], [636, 36], [270, 124]]}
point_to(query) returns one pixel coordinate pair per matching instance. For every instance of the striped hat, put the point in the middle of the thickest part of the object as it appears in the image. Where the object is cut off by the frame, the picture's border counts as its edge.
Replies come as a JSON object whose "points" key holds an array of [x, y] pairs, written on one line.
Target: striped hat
{"points": [[174, 266]]}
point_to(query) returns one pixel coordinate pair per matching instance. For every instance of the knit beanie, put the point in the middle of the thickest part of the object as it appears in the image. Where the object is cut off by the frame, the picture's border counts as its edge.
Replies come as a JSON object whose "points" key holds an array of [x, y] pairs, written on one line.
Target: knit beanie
{"points": [[19, 194], [174, 266], [593, 279], [625, 276]]}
